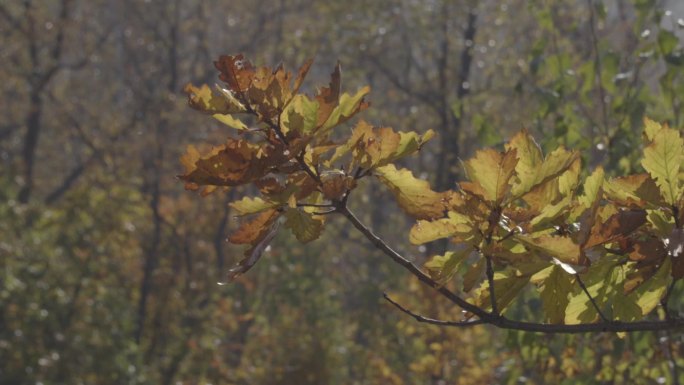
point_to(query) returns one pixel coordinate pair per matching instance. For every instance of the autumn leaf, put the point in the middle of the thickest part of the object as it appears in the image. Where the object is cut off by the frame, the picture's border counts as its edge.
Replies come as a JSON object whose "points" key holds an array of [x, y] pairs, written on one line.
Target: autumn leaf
{"points": [[257, 232], [204, 99], [633, 190], [559, 247], [533, 170], [252, 231], [507, 286], [663, 159], [413, 195], [617, 226], [236, 71], [336, 185], [602, 282], [233, 164], [348, 106], [300, 115], [648, 295], [373, 147], [529, 156], [651, 128]]}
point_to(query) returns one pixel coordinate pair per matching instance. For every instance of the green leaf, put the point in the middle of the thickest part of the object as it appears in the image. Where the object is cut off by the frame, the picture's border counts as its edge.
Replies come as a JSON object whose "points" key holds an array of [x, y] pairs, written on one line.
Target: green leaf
{"points": [[554, 294], [303, 225], [663, 159], [413, 195]]}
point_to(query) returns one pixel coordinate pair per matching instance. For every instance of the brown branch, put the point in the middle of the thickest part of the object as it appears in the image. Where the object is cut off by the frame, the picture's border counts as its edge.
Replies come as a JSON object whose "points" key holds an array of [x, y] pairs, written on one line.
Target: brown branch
{"points": [[408, 265], [432, 321], [499, 320]]}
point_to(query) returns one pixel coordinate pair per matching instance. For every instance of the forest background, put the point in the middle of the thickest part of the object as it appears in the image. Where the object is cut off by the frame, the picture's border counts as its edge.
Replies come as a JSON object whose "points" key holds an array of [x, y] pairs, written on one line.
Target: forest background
{"points": [[110, 269]]}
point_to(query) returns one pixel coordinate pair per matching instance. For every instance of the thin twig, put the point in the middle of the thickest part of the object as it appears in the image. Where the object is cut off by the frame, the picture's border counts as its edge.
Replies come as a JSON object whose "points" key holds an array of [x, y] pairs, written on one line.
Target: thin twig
{"points": [[584, 288], [490, 280], [432, 321], [666, 298], [315, 205], [331, 211]]}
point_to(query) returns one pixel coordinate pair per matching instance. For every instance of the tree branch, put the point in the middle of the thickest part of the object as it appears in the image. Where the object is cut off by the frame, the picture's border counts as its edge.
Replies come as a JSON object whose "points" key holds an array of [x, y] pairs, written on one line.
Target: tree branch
{"points": [[499, 320], [490, 280]]}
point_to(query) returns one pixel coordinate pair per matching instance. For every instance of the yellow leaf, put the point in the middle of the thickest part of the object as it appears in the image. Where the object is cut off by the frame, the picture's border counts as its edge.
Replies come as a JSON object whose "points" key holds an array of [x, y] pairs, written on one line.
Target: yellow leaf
{"points": [[554, 294], [592, 188], [492, 170], [230, 121], [651, 128], [203, 99], [662, 159], [427, 231], [443, 267], [648, 295], [529, 159], [249, 205], [413, 195], [561, 248]]}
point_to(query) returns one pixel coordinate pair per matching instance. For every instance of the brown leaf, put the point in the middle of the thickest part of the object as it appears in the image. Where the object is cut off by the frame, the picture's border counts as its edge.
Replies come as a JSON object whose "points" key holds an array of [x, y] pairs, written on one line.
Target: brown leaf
{"points": [[236, 71], [329, 97], [335, 185], [648, 251], [254, 253], [233, 164], [251, 232], [617, 226]]}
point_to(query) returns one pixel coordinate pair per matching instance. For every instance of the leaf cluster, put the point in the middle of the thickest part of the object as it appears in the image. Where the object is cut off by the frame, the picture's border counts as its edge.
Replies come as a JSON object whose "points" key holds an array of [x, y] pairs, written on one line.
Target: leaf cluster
{"points": [[597, 248]]}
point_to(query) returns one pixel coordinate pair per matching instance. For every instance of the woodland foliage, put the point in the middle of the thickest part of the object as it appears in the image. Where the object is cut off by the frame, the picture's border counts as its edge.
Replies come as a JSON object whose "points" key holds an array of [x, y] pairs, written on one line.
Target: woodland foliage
{"points": [[109, 267]]}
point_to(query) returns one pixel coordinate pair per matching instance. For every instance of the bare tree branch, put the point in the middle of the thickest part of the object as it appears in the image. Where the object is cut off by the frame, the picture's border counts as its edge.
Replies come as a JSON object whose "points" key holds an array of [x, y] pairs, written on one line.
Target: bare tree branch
{"points": [[432, 321]]}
